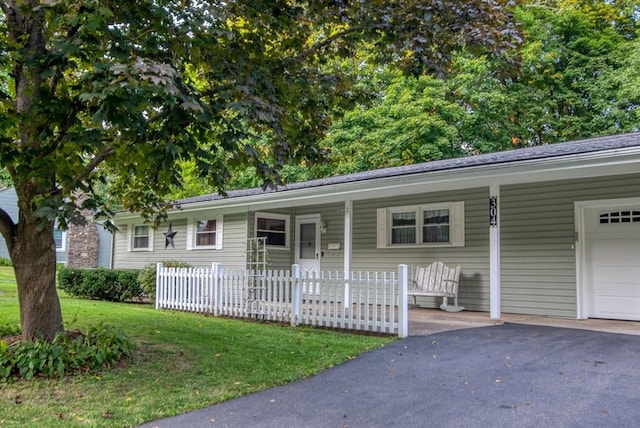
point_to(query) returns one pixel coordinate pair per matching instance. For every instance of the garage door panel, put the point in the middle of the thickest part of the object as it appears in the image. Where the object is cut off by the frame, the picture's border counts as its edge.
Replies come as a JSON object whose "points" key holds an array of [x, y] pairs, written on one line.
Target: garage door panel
{"points": [[613, 255], [614, 307], [615, 276]]}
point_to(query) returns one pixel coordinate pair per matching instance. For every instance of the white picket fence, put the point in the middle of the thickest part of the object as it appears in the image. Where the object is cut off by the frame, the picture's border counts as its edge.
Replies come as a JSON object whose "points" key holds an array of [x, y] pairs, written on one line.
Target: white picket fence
{"points": [[365, 301]]}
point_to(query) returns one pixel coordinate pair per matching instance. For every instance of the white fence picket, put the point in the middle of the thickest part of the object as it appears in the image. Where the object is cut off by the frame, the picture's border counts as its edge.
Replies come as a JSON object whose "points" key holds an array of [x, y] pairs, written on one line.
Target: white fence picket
{"points": [[369, 301]]}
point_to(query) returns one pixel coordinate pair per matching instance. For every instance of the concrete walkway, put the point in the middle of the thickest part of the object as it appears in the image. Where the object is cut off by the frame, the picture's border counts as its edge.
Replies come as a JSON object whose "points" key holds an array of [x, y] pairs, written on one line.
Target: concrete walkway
{"points": [[429, 321]]}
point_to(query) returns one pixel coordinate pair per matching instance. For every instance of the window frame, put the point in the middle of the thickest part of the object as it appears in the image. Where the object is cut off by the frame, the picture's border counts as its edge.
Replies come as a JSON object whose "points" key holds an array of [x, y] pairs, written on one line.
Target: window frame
{"points": [[275, 216], [192, 232], [63, 239], [403, 210], [456, 225], [132, 237]]}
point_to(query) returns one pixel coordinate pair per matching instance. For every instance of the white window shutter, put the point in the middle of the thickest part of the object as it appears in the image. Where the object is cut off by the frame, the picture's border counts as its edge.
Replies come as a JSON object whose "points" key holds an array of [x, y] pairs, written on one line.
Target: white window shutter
{"points": [[150, 239], [190, 233], [129, 237], [219, 232], [457, 224], [381, 227]]}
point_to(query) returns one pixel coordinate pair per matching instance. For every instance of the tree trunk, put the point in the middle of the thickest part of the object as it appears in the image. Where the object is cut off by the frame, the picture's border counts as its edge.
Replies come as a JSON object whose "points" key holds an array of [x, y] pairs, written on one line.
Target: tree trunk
{"points": [[33, 254]]}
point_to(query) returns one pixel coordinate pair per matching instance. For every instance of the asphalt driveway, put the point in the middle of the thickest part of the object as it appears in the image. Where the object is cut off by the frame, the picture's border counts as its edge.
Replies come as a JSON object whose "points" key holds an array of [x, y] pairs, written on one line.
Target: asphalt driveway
{"points": [[508, 375]]}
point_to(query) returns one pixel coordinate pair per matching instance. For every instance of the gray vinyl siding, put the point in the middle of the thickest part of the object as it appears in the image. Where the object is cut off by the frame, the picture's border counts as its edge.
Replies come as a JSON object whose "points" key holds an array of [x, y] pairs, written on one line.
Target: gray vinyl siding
{"points": [[232, 254], [61, 257], [473, 257], [104, 247], [538, 259]]}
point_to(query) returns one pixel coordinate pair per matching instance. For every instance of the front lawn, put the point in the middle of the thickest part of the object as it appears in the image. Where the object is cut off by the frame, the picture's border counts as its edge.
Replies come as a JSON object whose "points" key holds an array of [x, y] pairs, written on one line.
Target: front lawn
{"points": [[183, 362]]}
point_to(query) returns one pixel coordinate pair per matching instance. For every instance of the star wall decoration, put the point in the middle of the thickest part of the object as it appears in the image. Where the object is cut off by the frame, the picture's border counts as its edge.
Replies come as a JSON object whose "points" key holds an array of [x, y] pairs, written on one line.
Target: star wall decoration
{"points": [[168, 238]]}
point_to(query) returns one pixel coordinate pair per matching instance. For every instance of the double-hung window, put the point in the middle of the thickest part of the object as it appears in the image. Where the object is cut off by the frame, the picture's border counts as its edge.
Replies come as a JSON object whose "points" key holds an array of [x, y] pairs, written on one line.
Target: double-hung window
{"points": [[440, 224], [273, 227], [204, 233], [436, 226], [403, 227], [140, 237]]}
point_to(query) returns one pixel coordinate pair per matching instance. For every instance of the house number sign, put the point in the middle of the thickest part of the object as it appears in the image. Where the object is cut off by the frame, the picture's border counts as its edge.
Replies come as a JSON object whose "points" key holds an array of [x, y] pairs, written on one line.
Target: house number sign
{"points": [[493, 211]]}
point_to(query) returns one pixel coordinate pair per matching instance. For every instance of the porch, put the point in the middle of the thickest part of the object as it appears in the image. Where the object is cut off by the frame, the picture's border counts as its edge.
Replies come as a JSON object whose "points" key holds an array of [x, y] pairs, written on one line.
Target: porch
{"points": [[426, 321]]}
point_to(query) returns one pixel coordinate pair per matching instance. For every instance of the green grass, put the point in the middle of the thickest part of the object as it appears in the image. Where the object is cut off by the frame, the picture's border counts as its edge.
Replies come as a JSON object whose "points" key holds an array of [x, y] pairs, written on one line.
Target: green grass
{"points": [[184, 362]]}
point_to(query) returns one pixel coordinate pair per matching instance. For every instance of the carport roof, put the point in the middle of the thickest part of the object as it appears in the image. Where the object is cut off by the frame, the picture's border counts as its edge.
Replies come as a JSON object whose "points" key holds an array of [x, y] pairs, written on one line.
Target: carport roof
{"points": [[558, 150]]}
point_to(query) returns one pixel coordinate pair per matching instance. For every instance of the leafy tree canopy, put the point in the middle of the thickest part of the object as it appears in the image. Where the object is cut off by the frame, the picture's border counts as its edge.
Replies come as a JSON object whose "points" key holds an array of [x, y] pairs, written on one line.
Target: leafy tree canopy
{"points": [[579, 60]]}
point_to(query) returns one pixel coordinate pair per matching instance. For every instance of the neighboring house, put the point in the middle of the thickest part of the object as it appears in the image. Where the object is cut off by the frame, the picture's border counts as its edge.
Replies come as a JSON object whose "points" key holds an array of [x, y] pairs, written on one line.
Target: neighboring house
{"points": [[549, 230], [88, 246]]}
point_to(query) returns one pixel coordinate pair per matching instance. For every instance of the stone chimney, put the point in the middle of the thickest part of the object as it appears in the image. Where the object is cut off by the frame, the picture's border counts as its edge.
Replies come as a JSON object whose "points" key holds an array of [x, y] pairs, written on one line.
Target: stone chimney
{"points": [[82, 242]]}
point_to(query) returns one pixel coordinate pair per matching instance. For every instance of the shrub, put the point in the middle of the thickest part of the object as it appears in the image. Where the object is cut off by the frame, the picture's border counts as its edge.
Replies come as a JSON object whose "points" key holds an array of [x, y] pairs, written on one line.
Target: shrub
{"points": [[5, 261], [147, 276], [9, 330], [100, 347], [101, 283]]}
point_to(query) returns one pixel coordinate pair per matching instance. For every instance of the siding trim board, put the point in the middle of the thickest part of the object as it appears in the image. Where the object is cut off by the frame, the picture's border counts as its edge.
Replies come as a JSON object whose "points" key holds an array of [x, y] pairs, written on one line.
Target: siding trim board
{"points": [[528, 260]]}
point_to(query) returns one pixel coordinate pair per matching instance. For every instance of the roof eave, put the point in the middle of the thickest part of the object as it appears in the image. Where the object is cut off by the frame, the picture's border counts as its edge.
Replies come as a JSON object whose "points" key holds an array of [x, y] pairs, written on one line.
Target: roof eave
{"points": [[592, 164]]}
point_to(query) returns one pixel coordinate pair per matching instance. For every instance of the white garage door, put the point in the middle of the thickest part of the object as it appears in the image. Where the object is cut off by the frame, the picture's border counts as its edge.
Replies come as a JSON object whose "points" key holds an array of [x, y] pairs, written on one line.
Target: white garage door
{"points": [[613, 260]]}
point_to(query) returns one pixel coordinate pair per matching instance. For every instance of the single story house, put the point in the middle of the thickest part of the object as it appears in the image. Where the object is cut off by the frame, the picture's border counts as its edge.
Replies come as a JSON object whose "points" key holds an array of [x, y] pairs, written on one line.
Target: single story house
{"points": [[88, 246], [549, 230]]}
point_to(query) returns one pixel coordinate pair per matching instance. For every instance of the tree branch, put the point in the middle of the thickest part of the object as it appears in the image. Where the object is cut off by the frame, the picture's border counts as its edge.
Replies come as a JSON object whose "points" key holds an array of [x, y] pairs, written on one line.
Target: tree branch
{"points": [[7, 228], [93, 164], [70, 119], [326, 42]]}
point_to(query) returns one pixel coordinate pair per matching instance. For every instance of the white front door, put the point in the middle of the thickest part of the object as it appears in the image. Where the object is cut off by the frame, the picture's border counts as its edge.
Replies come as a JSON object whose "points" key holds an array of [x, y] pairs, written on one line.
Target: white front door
{"points": [[307, 248], [613, 262]]}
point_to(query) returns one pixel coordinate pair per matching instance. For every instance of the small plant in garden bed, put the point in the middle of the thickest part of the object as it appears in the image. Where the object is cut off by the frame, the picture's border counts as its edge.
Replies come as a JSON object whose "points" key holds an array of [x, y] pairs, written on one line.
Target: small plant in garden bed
{"points": [[74, 351]]}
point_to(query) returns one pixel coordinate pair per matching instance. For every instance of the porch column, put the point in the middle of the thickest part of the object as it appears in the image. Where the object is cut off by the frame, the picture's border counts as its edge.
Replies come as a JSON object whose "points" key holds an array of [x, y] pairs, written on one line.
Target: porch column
{"points": [[348, 229], [494, 251], [348, 225]]}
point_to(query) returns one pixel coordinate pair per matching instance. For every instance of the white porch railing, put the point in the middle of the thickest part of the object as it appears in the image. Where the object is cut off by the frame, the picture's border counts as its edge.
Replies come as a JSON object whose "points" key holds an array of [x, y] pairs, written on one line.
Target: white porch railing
{"points": [[365, 301]]}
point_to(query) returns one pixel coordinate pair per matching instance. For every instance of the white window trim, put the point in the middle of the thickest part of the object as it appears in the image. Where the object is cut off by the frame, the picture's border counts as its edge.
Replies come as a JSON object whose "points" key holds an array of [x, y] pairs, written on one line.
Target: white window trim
{"points": [[287, 228], [63, 248], [130, 237], [192, 225], [456, 225]]}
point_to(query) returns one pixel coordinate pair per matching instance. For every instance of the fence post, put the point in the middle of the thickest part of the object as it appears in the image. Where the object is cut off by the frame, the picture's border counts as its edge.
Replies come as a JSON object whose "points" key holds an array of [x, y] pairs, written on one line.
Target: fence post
{"points": [[347, 290], [158, 270], [216, 274], [297, 294], [403, 302]]}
